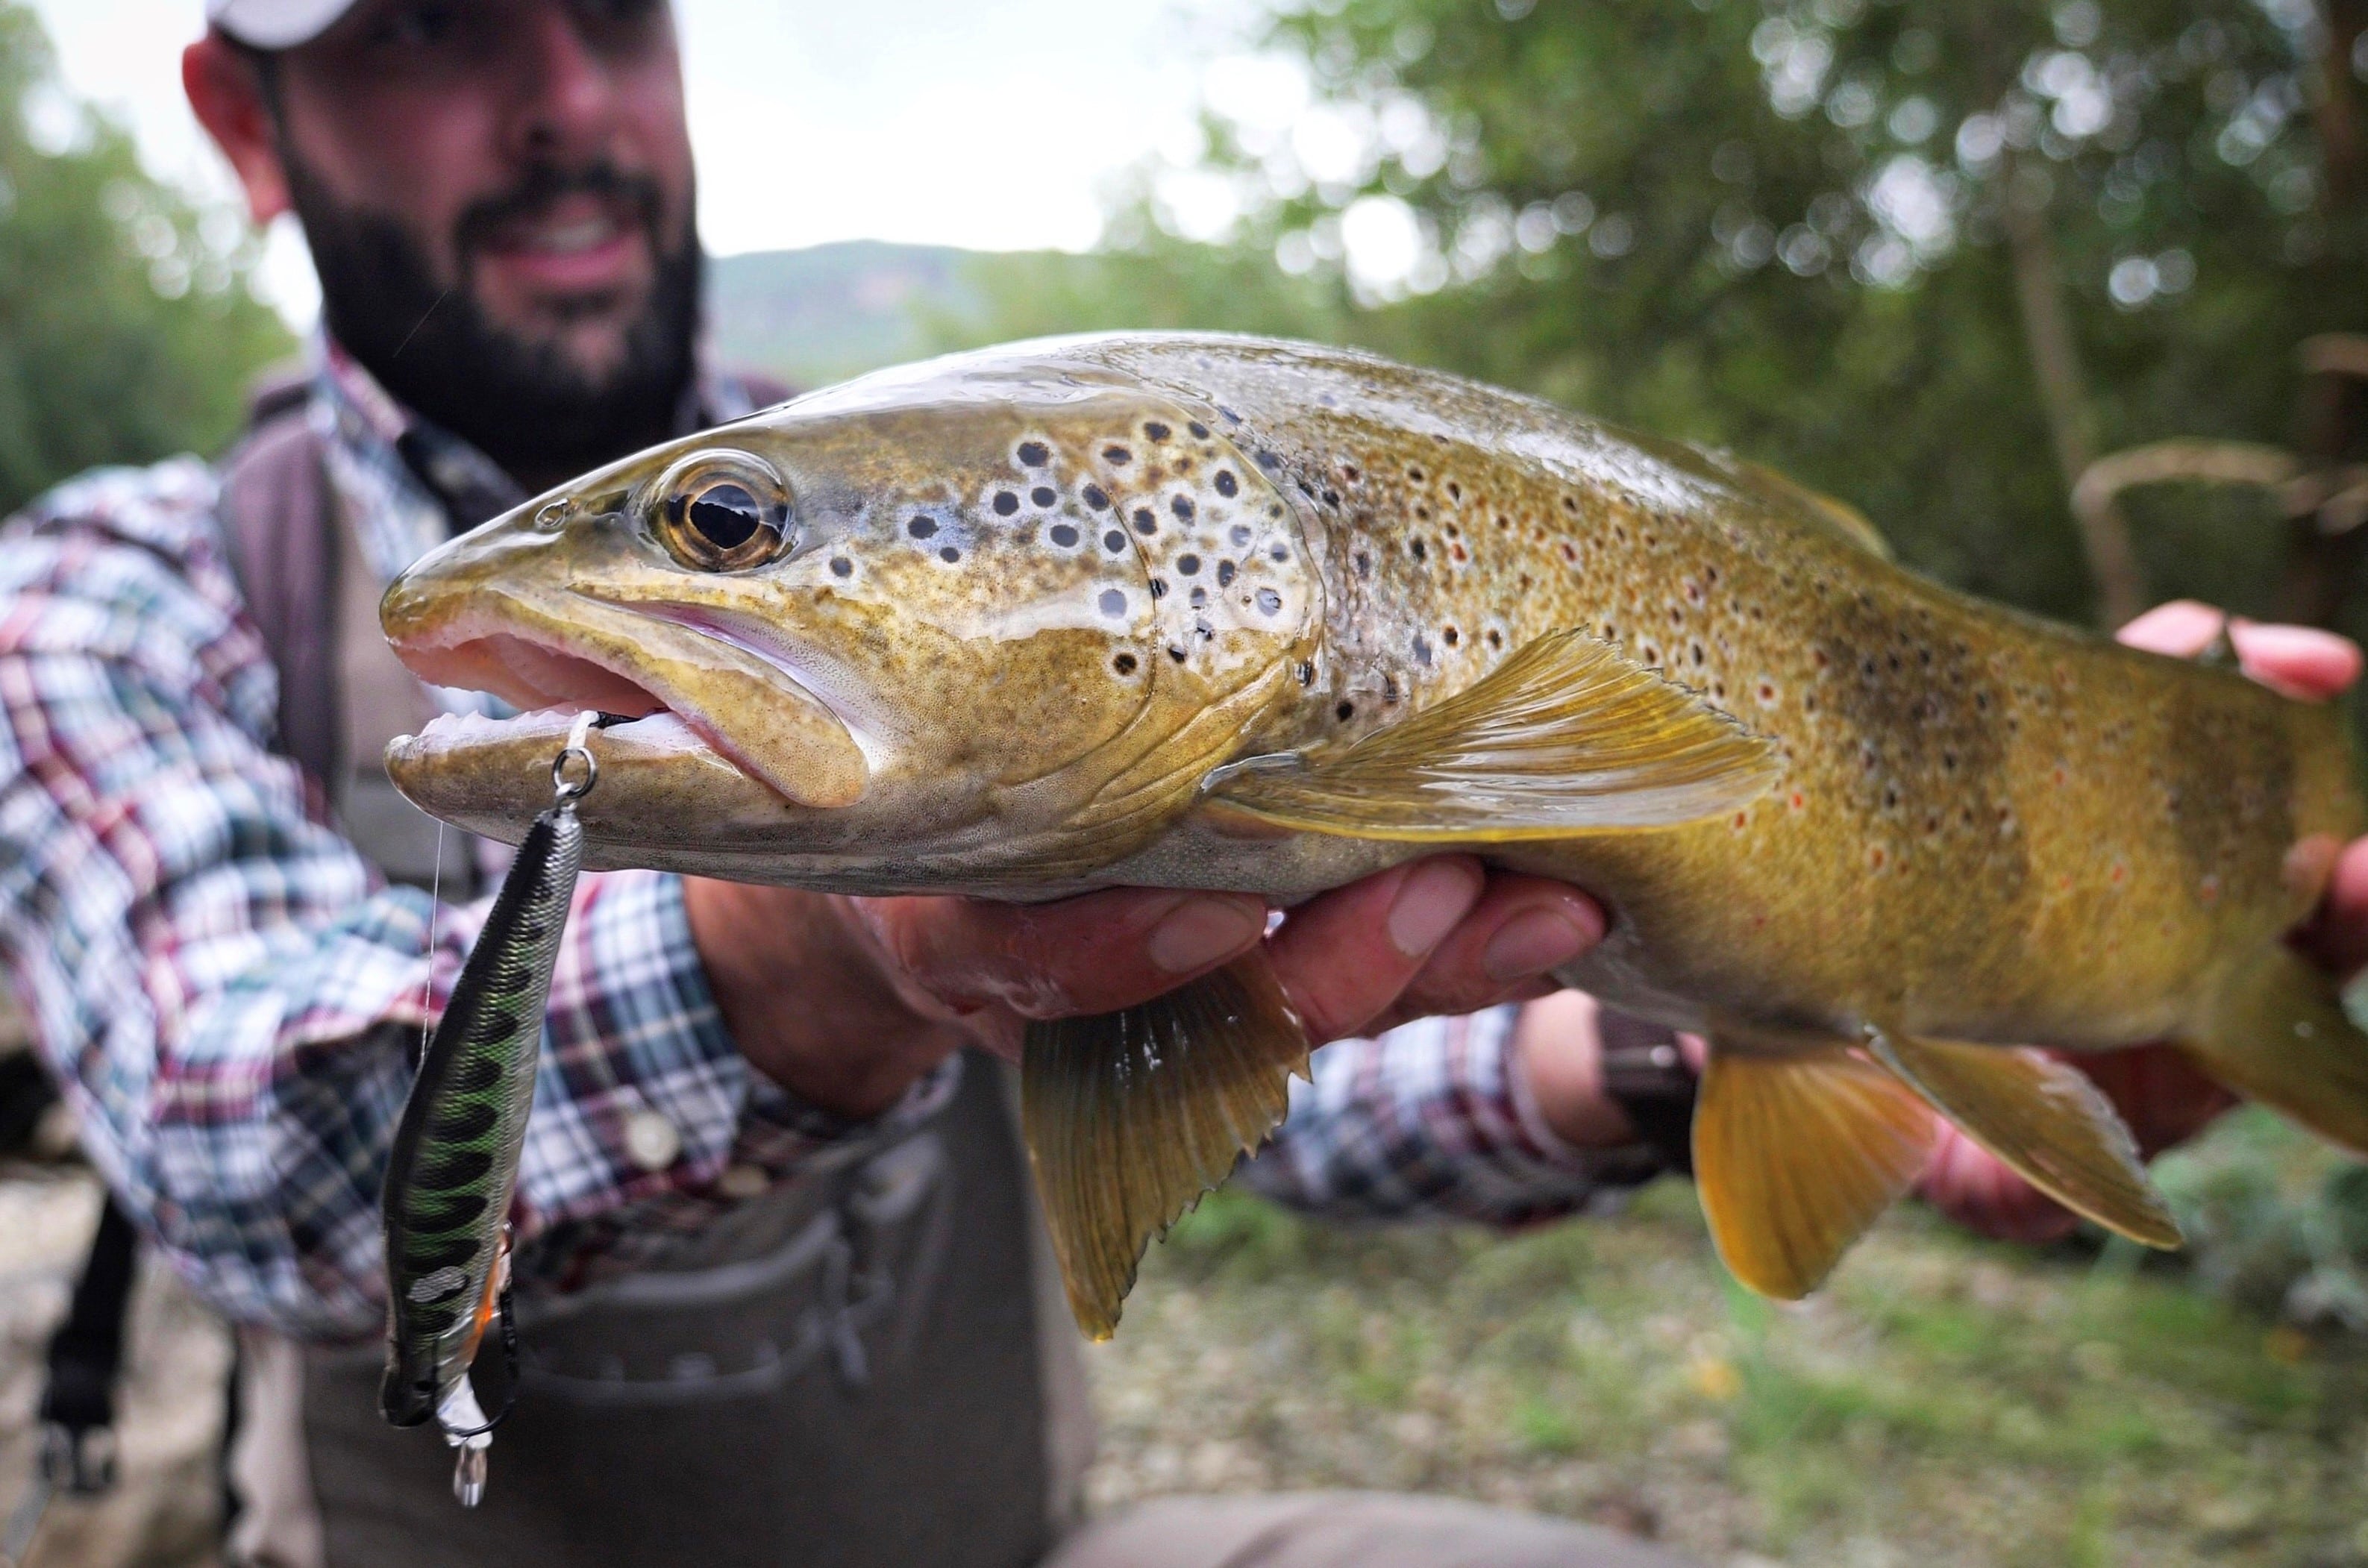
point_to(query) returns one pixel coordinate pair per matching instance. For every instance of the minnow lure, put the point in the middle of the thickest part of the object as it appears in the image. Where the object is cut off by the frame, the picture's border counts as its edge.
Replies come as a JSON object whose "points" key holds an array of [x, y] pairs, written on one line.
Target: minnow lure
{"points": [[455, 1162]]}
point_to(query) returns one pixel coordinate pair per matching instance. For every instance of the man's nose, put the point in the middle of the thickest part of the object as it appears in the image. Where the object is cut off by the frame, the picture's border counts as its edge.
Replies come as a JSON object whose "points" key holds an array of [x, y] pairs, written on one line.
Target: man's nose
{"points": [[567, 92]]}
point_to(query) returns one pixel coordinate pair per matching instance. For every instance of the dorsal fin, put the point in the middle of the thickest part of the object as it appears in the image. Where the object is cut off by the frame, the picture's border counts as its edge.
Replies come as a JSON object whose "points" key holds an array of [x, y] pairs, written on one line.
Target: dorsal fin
{"points": [[1569, 735]]}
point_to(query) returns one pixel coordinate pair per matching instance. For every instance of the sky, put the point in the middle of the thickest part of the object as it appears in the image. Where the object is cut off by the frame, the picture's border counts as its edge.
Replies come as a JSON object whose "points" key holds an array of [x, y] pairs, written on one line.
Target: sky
{"points": [[998, 126]]}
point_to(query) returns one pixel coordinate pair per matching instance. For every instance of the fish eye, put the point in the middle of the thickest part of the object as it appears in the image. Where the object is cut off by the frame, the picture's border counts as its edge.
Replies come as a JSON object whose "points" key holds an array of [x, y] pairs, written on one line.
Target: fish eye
{"points": [[723, 512]]}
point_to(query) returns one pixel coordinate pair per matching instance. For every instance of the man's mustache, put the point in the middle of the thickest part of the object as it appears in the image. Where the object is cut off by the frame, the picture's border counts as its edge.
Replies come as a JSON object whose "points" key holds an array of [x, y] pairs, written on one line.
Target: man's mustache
{"points": [[545, 185]]}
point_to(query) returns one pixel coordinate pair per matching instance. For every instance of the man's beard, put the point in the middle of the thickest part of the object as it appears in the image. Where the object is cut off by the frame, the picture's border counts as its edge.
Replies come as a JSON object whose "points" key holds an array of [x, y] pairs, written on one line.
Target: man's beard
{"points": [[523, 403]]}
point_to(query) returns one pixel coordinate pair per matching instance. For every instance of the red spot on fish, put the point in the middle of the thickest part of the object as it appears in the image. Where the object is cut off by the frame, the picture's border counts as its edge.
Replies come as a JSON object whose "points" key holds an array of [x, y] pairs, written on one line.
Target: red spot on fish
{"points": [[1740, 818], [2117, 873], [2209, 890], [1877, 857], [1797, 801]]}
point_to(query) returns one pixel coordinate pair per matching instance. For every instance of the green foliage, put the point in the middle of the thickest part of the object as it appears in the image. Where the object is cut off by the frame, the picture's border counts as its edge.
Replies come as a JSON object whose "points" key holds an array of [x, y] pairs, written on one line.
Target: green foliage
{"points": [[2276, 1220], [127, 332], [1781, 225]]}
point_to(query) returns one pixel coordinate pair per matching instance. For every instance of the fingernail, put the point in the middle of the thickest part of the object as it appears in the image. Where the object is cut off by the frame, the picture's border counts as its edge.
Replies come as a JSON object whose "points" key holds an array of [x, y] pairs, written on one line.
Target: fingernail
{"points": [[1199, 931], [1533, 943], [1434, 898]]}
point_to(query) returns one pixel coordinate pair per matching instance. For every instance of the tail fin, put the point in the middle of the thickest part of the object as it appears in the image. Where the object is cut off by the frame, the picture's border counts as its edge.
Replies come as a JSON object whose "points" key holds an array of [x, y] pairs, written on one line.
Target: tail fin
{"points": [[2277, 1033]]}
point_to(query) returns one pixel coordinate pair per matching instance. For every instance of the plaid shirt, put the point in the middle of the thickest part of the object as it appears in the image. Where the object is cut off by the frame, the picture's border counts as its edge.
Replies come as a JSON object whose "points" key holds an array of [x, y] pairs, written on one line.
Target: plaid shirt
{"points": [[227, 991]]}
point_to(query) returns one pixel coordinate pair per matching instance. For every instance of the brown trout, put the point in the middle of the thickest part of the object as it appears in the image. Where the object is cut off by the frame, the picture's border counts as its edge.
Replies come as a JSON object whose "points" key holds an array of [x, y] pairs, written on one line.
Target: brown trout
{"points": [[1215, 612]]}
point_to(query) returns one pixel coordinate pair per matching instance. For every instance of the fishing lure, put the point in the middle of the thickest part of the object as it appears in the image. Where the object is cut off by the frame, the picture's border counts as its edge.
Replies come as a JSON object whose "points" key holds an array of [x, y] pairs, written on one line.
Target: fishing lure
{"points": [[455, 1162]]}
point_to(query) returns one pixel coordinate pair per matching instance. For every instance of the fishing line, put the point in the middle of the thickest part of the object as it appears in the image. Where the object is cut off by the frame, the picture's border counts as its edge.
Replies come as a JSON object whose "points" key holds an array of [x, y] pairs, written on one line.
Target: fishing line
{"points": [[435, 907]]}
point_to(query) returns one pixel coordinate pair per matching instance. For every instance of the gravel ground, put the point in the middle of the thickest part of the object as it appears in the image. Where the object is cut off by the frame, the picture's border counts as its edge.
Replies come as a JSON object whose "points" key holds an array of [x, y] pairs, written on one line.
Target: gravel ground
{"points": [[163, 1510], [1944, 1403]]}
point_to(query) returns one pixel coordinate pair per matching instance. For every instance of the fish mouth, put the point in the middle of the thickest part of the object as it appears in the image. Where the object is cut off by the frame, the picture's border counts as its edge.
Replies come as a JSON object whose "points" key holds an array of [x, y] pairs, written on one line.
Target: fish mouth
{"points": [[665, 681]]}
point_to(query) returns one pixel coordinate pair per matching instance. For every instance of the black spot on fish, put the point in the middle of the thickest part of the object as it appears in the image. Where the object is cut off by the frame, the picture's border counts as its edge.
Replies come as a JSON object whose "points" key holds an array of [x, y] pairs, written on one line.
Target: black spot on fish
{"points": [[1183, 508], [1065, 535], [1112, 602], [1231, 417], [1421, 551], [950, 555], [1364, 564], [1145, 523], [1155, 430], [1094, 497], [840, 566], [1118, 454], [1268, 461], [1306, 671], [1332, 499], [1239, 534], [1269, 601], [1042, 495], [1278, 553], [1113, 541], [1200, 596], [1495, 638], [1188, 564], [1006, 503], [1200, 431], [1123, 663], [1390, 690], [1421, 649], [1226, 484], [465, 1121], [1177, 654], [1033, 455], [1345, 712], [1159, 588], [456, 1169], [1224, 574], [1453, 636], [1415, 474], [922, 528]]}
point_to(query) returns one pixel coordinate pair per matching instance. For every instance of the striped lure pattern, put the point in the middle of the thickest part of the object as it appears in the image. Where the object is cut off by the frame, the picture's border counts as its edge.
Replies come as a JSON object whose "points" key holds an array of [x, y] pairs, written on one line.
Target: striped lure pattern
{"points": [[456, 1150]]}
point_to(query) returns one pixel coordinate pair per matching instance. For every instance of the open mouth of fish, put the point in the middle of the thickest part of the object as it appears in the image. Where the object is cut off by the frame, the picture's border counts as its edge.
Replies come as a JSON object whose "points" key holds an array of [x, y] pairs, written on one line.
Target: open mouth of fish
{"points": [[667, 675]]}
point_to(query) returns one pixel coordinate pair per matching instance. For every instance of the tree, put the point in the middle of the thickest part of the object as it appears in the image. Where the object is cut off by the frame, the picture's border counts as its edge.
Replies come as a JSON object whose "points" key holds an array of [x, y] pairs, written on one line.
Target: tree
{"points": [[127, 331]]}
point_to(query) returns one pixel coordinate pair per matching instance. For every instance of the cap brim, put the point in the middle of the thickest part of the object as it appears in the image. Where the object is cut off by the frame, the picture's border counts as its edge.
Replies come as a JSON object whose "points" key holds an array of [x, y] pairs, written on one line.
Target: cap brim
{"points": [[275, 24]]}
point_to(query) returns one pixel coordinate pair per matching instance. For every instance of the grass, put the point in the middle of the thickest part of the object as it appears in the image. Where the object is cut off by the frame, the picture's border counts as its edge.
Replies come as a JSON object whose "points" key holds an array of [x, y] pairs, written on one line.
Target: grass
{"points": [[1944, 1401]]}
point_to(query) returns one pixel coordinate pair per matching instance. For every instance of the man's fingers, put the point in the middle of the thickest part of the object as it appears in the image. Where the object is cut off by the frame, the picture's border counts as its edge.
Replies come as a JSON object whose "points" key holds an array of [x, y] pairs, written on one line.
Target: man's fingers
{"points": [[2300, 661], [1095, 953], [1506, 947], [1344, 958], [2182, 629]]}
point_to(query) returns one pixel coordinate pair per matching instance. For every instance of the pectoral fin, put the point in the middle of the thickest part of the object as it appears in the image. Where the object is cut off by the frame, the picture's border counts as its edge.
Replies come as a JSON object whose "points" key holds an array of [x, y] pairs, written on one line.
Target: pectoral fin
{"points": [[1796, 1156], [1567, 736], [1129, 1117], [2046, 1120], [2277, 1032]]}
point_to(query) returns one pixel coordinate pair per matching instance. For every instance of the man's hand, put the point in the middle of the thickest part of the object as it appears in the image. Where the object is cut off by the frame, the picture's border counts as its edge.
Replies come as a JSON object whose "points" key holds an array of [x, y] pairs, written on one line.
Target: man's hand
{"points": [[846, 1002], [2164, 1097]]}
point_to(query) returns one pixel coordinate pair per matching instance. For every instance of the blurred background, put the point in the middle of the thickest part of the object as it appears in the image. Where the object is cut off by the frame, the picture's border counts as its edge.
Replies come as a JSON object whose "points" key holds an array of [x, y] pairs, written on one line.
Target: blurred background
{"points": [[2067, 297]]}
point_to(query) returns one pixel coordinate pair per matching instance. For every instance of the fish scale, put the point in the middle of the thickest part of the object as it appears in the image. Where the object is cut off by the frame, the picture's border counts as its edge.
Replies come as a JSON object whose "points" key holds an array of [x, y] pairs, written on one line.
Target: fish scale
{"points": [[1193, 611]]}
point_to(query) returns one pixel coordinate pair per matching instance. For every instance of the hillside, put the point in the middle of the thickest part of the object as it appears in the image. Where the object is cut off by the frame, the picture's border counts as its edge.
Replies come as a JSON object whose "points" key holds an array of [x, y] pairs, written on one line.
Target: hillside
{"points": [[821, 314]]}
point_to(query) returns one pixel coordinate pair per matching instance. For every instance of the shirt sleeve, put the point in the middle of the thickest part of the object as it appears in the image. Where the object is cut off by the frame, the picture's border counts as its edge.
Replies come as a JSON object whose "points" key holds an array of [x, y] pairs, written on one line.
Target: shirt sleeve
{"points": [[228, 995], [1432, 1120]]}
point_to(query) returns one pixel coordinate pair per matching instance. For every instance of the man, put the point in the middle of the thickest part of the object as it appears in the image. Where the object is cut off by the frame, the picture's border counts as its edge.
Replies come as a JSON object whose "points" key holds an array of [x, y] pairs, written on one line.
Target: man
{"points": [[784, 1298]]}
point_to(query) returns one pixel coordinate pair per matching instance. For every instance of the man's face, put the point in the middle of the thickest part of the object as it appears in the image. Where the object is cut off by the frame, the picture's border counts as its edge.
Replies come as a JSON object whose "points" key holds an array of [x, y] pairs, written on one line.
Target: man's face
{"points": [[498, 195]]}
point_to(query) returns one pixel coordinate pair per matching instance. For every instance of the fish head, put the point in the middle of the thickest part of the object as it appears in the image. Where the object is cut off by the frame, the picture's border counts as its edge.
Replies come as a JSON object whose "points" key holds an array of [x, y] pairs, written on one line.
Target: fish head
{"points": [[898, 632]]}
